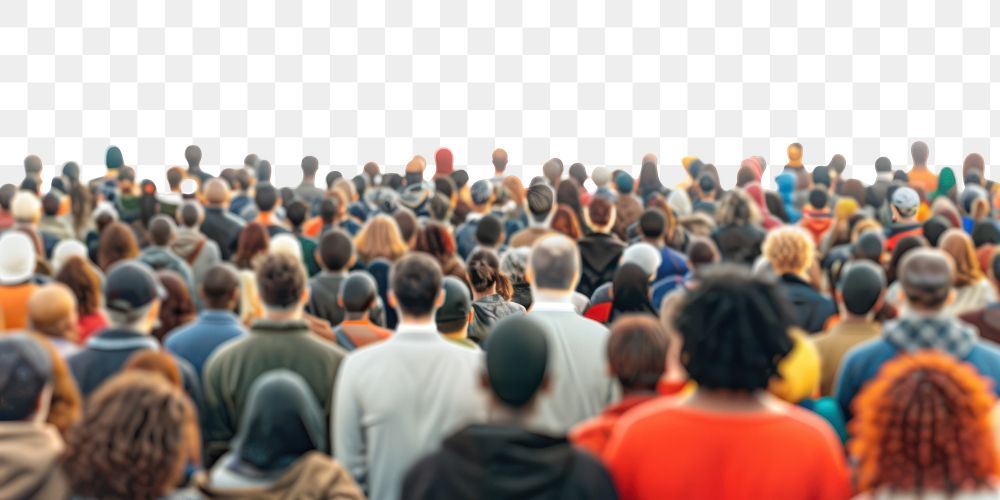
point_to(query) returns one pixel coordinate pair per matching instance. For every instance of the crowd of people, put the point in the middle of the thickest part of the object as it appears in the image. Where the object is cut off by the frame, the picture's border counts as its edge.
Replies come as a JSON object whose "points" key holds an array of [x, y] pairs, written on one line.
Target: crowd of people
{"points": [[591, 334]]}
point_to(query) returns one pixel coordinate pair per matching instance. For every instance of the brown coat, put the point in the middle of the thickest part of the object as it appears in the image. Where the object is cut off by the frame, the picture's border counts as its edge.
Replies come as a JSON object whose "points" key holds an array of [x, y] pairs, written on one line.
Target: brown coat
{"points": [[29, 461], [314, 475]]}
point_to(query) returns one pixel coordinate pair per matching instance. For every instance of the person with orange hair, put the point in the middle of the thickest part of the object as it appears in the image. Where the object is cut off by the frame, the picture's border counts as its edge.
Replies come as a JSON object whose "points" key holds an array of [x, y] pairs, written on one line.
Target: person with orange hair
{"points": [[790, 252], [972, 290], [913, 398]]}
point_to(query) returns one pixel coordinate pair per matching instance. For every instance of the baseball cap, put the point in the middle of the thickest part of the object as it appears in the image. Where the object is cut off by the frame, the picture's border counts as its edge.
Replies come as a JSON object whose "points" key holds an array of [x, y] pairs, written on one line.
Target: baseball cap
{"points": [[18, 262], [454, 312], [25, 369], [481, 191], [130, 286], [905, 199], [113, 157]]}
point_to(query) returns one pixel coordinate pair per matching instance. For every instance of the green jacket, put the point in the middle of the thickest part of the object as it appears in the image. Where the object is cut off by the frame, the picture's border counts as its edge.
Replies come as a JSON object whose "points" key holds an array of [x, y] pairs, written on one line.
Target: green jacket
{"points": [[233, 368]]}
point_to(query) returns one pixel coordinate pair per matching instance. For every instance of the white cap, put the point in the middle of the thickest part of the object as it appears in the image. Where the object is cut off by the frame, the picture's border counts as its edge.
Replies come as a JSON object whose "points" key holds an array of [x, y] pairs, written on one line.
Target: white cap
{"points": [[66, 249], [645, 256], [18, 262], [285, 243]]}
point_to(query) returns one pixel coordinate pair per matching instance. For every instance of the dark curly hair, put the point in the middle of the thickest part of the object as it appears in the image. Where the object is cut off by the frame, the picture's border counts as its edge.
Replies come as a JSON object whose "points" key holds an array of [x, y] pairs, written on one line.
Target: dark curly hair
{"points": [[923, 424], [132, 439], [735, 330]]}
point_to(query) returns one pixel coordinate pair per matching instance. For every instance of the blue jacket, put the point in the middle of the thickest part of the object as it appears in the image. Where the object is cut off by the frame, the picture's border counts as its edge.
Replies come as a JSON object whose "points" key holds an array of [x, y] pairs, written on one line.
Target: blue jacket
{"points": [[197, 340]]}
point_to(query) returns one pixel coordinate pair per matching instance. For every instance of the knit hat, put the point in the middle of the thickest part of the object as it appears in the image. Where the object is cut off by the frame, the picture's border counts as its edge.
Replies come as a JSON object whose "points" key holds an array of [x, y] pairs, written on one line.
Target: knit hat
{"points": [[481, 192], [516, 358], [679, 202], [18, 262], [645, 256], [66, 249], [861, 283], [444, 162], [624, 183], [601, 176], [25, 369], [113, 157], [454, 312]]}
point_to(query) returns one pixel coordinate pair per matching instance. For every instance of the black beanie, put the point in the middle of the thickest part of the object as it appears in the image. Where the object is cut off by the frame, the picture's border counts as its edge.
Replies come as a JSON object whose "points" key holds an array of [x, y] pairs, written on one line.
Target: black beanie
{"points": [[517, 353]]}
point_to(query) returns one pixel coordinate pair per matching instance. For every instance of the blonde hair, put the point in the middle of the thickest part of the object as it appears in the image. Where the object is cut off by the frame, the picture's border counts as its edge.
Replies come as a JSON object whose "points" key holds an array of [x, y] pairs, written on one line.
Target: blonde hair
{"points": [[789, 249], [380, 238]]}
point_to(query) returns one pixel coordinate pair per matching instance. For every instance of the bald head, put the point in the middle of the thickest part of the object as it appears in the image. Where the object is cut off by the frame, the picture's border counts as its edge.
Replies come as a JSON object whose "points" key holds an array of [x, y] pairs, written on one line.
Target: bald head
{"points": [[499, 160], [216, 192], [919, 151], [52, 311]]}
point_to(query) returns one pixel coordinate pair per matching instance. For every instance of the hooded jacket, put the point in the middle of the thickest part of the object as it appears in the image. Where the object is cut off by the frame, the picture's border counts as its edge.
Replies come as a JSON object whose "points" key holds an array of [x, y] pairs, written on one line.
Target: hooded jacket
{"points": [[487, 311], [162, 258], [29, 461], [786, 188], [315, 475], [498, 462], [198, 251], [599, 255]]}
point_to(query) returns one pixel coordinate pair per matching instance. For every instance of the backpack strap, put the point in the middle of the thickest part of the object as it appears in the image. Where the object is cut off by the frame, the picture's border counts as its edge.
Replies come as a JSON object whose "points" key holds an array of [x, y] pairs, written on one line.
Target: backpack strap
{"points": [[193, 256], [342, 339]]}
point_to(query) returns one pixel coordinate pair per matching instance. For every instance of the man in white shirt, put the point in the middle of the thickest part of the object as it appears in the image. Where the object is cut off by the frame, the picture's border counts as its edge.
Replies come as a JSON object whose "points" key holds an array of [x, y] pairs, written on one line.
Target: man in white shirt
{"points": [[397, 400], [581, 385]]}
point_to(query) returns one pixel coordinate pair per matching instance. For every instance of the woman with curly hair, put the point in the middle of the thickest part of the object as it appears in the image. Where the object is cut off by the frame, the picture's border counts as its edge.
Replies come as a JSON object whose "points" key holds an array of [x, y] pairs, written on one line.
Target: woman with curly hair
{"points": [[922, 428], [790, 250], [972, 289], [133, 439], [380, 238]]}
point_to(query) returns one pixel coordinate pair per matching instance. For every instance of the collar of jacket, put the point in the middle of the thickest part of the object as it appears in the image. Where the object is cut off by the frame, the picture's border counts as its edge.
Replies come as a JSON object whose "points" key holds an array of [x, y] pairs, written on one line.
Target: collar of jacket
{"points": [[122, 340], [272, 326]]}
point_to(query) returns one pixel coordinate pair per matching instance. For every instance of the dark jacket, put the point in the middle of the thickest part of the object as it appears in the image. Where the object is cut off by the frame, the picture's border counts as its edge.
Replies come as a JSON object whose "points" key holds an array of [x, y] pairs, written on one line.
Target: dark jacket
{"points": [[599, 255], [487, 311], [324, 289], [810, 309], [161, 258], [739, 244], [496, 462], [223, 228], [987, 320]]}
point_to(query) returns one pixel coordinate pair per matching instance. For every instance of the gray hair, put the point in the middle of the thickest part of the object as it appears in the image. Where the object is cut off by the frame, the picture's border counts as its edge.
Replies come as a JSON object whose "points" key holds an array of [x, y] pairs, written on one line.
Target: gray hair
{"points": [[555, 263]]}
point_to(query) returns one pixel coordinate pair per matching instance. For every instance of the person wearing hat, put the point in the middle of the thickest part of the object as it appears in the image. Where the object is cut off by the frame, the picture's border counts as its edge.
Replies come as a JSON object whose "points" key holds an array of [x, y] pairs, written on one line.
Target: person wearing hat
{"points": [[455, 314], [132, 298], [358, 296], [602, 179], [504, 458], [444, 162], [398, 399], [860, 295], [926, 276], [31, 453], [482, 197], [904, 204], [628, 206], [17, 271], [281, 339]]}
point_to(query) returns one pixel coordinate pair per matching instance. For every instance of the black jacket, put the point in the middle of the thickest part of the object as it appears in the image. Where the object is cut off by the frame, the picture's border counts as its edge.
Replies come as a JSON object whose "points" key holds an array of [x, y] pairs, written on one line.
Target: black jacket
{"points": [[599, 255], [323, 291], [739, 244], [495, 462], [224, 229], [810, 309]]}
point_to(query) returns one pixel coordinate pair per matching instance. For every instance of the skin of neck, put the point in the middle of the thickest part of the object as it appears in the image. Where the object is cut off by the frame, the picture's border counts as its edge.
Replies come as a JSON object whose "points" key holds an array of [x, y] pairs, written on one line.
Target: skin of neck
{"points": [[406, 318], [459, 335], [485, 293], [289, 314], [355, 315], [728, 400], [550, 294], [502, 414], [656, 242]]}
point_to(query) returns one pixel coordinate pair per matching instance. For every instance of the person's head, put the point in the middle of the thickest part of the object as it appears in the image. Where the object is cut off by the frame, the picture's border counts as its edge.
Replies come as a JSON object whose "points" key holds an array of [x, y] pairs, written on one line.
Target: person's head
{"points": [[310, 165], [869, 245], [117, 243], [455, 312], [51, 204], [407, 223], [795, 153], [435, 240], [738, 209], [652, 224], [190, 214], [32, 166], [905, 202], [926, 275], [789, 249], [126, 179], [912, 398], [578, 172], [7, 192], [220, 287], [81, 279], [18, 263], [336, 250], [861, 289], [372, 171], [919, 151], [516, 362], [482, 195], [565, 221], [985, 232], [253, 241], [282, 421], [499, 161], [735, 330], [553, 170], [601, 176], [600, 215], [624, 183], [934, 228], [283, 285], [649, 177], [266, 197], [25, 378], [489, 232], [904, 246], [25, 207], [554, 265], [883, 165], [973, 162], [702, 252], [630, 290], [296, 212], [133, 439], [415, 287], [514, 189], [132, 297], [958, 245], [263, 172], [444, 162], [193, 156], [52, 311], [162, 230], [174, 177], [540, 200], [380, 238], [637, 353], [647, 256], [818, 199], [358, 293]]}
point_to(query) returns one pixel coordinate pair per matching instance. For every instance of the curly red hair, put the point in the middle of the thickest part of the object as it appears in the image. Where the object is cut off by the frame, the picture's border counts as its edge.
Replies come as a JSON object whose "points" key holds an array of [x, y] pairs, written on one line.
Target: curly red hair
{"points": [[923, 424]]}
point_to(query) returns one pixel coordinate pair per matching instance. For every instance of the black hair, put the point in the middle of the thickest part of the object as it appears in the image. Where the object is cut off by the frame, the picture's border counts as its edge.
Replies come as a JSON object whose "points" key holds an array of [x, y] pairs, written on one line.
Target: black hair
{"points": [[7, 192], [861, 284], [335, 249], [415, 281], [578, 172], [29, 184], [328, 210], [735, 330], [263, 172], [358, 291], [540, 199], [296, 213], [935, 227], [190, 212], [266, 197], [483, 269], [489, 231], [775, 205], [287, 195], [444, 185], [985, 232], [818, 198], [332, 177], [360, 184], [50, 204], [652, 223]]}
